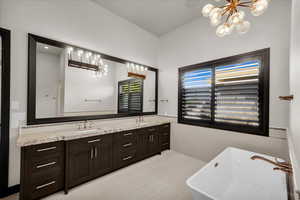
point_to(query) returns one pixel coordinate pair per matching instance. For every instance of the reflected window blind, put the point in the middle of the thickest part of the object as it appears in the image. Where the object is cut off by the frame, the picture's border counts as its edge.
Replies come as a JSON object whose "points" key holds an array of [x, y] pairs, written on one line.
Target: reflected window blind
{"points": [[196, 94], [130, 96], [123, 97], [236, 93], [135, 95]]}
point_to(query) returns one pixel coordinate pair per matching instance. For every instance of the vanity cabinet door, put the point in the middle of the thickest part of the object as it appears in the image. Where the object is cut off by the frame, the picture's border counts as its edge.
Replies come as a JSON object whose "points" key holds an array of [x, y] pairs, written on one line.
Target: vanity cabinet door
{"points": [[154, 140], [102, 161], [80, 157], [142, 144]]}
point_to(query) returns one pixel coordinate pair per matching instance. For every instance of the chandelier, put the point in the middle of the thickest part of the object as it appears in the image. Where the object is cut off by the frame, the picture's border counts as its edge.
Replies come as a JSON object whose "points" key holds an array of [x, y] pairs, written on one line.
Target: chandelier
{"points": [[234, 18]]}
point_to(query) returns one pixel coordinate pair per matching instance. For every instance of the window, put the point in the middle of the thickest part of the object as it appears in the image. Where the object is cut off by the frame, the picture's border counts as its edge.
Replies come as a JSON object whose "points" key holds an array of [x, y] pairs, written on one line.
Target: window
{"points": [[229, 93], [130, 96]]}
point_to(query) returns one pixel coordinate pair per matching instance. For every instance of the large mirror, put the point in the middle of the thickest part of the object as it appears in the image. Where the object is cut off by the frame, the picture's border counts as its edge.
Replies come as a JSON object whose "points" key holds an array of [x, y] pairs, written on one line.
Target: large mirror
{"points": [[69, 83]]}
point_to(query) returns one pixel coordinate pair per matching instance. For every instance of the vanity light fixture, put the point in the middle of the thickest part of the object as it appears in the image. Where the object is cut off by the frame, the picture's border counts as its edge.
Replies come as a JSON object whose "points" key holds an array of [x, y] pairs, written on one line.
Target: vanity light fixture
{"points": [[87, 60], [136, 71], [234, 16]]}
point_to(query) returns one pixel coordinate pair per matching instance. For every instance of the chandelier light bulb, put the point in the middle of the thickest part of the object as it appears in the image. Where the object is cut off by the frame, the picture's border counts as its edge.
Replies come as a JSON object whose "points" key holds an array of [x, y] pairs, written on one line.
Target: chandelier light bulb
{"points": [[215, 11], [215, 20], [221, 32], [237, 17], [259, 7], [243, 27], [207, 9]]}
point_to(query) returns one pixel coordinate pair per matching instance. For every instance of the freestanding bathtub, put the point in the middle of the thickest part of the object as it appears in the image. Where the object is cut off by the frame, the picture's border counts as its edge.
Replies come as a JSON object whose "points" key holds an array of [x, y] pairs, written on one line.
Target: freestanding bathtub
{"points": [[233, 175]]}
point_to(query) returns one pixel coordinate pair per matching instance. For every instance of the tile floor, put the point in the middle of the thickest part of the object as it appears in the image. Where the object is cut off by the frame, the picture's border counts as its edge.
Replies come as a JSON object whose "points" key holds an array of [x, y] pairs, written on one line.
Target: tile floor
{"points": [[161, 177]]}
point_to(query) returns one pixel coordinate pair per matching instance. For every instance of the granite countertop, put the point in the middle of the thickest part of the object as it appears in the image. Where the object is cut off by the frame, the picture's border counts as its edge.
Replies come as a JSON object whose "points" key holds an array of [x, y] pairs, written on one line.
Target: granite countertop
{"points": [[38, 135]]}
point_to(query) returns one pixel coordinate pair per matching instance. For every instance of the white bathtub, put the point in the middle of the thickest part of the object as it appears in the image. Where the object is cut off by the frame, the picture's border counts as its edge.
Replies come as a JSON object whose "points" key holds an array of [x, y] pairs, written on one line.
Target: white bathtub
{"points": [[232, 175]]}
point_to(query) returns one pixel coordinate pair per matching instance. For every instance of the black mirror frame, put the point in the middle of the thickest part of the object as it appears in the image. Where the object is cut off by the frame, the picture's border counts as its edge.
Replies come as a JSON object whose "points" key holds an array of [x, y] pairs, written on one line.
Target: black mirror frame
{"points": [[31, 98]]}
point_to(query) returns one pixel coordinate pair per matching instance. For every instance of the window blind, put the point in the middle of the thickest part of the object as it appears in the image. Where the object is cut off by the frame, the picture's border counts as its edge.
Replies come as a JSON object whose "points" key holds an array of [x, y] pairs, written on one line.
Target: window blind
{"points": [[196, 94], [130, 96], [229, 93], [236, 93]]}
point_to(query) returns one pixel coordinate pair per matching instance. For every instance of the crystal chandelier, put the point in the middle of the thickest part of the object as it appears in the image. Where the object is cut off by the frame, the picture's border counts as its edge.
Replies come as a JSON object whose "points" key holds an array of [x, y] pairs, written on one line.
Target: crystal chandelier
{"points": [[234, 16]]}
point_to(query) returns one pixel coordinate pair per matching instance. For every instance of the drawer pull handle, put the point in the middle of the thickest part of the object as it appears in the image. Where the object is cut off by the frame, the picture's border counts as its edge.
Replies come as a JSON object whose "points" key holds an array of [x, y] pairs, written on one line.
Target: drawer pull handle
{"points": [[166, 126], [165, 144], [46, 149], [127, 134], [45, 185], [127, 158], [166, 133], [45, 165], [127, 145], [93, 141], [151, 129]]}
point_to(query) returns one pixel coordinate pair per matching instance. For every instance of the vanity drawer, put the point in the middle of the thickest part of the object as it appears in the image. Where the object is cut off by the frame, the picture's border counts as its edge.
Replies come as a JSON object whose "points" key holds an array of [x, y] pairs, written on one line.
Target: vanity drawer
{"points": [[152, 129], [44, 150], [165, 137], [47, 184], [165, 146], [125, 158], [125, 137], [53, 163]]}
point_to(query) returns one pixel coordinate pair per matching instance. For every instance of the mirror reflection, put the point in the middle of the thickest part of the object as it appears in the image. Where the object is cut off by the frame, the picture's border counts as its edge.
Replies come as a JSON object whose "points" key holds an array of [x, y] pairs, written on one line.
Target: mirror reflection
{"points": [[74, 82]]}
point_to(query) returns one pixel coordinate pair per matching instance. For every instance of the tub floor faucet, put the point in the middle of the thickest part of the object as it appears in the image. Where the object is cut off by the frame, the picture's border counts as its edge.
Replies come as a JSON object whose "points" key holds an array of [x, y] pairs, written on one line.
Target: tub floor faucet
{"points": [[282, 166]]}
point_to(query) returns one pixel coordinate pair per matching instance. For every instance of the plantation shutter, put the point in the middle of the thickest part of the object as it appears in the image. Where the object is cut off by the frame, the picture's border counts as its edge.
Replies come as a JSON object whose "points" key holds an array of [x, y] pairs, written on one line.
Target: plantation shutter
{"points": [[236, 93], [130, 96], [136, 95], [196, 94], [123, 97]]}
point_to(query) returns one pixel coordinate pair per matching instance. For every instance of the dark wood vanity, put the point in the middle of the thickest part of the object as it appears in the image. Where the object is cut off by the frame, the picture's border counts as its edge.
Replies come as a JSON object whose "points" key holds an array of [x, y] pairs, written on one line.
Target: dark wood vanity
{"points": [[51, 167]]}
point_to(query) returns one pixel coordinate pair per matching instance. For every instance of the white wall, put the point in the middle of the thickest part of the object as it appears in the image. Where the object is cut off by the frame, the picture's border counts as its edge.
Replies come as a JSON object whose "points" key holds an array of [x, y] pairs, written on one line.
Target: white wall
{"points": [[79, 22], [47, 86], [197, 42], [81, 85], [294, 129]]}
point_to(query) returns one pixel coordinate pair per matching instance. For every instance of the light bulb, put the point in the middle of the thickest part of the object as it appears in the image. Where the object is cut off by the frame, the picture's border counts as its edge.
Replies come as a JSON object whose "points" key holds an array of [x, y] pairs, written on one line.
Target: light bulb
{"points": [[259, 7], [79, 53], [70, 49], [228, 28], [221, 32], [214, 11], [88, 54], [101, 61], [215, 19], [207, 9], [243, 27], [237, 17]]}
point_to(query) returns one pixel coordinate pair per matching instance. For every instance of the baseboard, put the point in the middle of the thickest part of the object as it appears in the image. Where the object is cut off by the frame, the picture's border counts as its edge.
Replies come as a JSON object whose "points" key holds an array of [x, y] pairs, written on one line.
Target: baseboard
{"points": [[9, 191]]}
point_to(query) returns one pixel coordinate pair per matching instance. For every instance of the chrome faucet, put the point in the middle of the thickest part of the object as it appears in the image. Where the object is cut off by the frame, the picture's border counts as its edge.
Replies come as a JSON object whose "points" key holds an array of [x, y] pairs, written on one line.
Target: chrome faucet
{"points": [[282, 166], [83, 125], [139, 119]]}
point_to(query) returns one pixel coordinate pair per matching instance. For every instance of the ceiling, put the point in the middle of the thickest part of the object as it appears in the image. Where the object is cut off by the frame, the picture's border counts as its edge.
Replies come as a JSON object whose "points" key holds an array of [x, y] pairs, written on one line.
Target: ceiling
{"points": [[156, 16]]}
